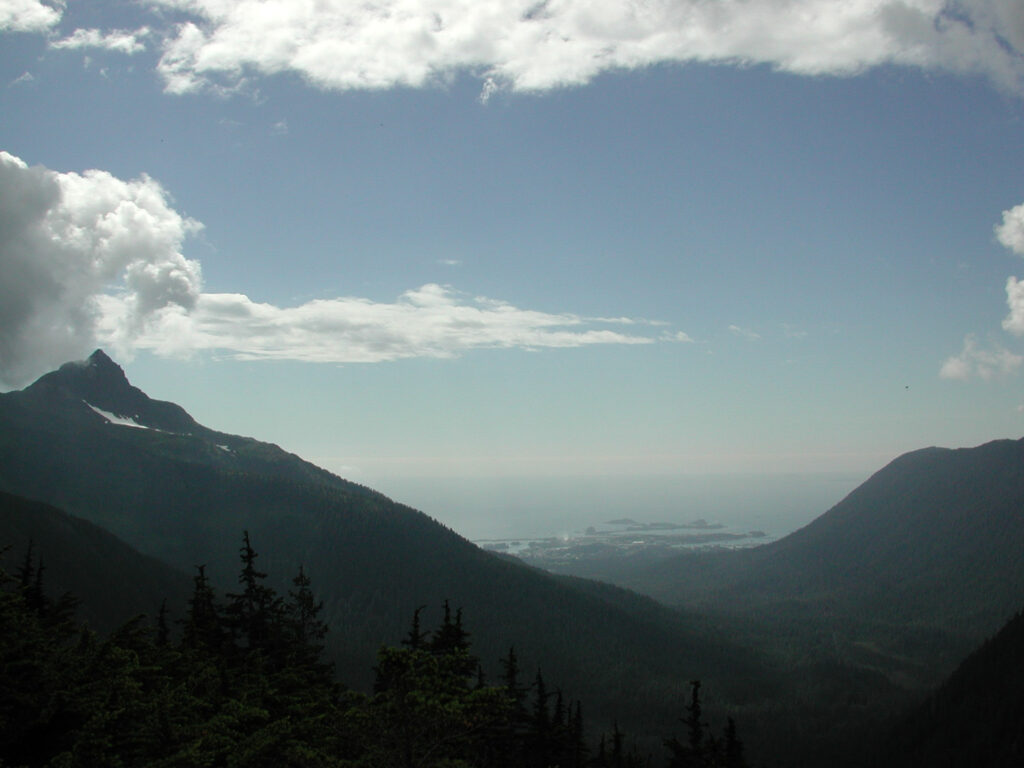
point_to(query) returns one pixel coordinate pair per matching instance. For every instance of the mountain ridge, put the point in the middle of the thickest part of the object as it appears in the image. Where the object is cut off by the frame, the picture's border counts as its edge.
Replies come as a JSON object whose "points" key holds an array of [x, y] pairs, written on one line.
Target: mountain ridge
{"points": [[976, 717], [111, 581], [185, 498], [102, 383], [837, 665], [905, 575]]}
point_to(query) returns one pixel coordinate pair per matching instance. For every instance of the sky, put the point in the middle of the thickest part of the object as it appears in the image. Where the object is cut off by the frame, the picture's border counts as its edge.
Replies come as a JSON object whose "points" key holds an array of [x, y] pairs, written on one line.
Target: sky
{"points": [[472, 239]]}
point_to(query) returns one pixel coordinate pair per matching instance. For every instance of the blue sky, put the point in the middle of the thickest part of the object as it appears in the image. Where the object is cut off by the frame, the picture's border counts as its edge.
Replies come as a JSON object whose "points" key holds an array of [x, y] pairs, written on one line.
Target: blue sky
{"points": [[476, 239]]}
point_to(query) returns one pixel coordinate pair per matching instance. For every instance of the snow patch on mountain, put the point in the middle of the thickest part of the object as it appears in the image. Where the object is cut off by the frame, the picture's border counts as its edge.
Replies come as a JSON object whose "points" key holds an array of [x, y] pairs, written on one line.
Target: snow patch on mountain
{"points": [[113, 418]]}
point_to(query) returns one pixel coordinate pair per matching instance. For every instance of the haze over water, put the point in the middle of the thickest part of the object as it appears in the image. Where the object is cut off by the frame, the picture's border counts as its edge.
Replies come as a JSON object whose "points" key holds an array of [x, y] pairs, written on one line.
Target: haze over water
{"points": [[540, 507]]}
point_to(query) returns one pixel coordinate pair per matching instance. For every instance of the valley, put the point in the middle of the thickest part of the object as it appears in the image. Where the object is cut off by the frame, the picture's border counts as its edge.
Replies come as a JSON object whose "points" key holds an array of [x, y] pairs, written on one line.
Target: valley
{"points": [[813, 642]]}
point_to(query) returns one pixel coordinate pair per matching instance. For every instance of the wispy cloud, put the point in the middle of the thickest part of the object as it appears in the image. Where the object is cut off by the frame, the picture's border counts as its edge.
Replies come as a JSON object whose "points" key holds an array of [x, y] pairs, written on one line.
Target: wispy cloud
{"points": [[430, 321], [524, 45], [90, 258], [744, 333], [25, 78], [29, 15], [118, 40], [793, 332], [973, 361]]}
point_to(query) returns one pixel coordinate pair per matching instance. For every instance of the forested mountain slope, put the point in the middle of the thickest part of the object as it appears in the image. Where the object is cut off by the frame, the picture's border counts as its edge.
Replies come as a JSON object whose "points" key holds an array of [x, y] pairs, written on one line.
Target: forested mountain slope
{"points": [[84, 439], [932, 540], [872, 604], [110, 580], [975, 718]]}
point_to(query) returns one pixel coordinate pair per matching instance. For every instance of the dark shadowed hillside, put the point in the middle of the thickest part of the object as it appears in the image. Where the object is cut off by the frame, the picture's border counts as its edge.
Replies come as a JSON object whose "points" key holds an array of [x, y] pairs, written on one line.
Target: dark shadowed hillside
{"points": [[975, 718], [927, 551], [873, 603], [84, 439], [111, 581]]}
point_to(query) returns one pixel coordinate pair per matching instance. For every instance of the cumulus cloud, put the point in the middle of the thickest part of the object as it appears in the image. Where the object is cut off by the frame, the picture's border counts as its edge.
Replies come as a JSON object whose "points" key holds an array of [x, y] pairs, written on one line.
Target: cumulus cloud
{"points": [[1010, 232], [68, 238], [527, 45], [987, 364], [1014, 322], [118, 40], [29, 15], [973, 361], [89, 258]]}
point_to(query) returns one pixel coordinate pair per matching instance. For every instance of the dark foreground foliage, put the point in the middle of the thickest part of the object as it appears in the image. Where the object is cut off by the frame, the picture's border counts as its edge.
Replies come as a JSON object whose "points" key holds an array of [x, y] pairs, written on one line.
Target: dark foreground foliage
{"points": [[243, 684]]}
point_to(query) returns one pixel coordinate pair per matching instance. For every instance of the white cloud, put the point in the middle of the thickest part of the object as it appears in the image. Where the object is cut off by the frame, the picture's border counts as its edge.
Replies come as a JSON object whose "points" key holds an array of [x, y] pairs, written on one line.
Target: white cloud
{"points": [[430, 321], [118, 40], [29, 15], [1011, 231], [25, 78], [89, 258], [986, 364], [528, 45], [68, 238], [982, 363], [744, 333], [1014, 322]]}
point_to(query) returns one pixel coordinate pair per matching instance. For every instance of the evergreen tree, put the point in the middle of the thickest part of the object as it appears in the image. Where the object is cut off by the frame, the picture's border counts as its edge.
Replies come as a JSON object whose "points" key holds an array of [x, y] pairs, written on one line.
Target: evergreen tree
{"points": [[540, 736], [425, 710], [253, 615], [510, 679], [694, 727], [303, 611], [703, 750], [601, 758], [452, 639], [510, 737], [579, 747], [416, 638], [26, 571], [163, 632], [691, 754], [69, 698], [202, 626], [733, 747], [618, 759]]}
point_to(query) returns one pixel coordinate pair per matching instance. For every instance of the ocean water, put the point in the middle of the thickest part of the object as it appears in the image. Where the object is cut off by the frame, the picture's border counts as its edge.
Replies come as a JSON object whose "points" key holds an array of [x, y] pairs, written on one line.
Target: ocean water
{"points": [[508, 508]]}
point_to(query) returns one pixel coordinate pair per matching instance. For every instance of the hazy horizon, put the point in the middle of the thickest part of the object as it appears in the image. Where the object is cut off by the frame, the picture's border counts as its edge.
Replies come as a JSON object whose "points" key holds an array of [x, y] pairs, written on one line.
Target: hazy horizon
{"points": [[482, 508]]}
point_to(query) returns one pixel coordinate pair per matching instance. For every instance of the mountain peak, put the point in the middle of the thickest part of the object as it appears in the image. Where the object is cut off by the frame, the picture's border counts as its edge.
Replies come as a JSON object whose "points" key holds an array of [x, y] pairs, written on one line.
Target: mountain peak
{"points": [[99, 358], [100, 366], [96, 378], [102, 383]]}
